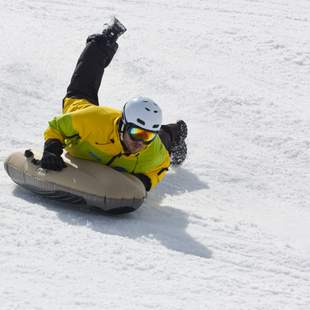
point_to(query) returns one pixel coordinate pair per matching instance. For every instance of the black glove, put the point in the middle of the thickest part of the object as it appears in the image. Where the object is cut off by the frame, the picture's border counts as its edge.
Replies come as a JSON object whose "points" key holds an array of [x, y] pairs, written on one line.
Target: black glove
{"points": [[51, 158], [145, 180]]}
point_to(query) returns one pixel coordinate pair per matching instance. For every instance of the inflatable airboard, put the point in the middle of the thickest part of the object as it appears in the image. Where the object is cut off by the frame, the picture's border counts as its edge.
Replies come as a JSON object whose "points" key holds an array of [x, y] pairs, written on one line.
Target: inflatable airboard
{"points": [[81, 182]]}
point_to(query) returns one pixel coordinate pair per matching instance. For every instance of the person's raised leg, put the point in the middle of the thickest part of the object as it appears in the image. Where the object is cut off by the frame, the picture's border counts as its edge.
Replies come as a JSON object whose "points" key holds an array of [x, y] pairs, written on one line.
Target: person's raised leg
{"points": [[173, 137], [96, 56]]}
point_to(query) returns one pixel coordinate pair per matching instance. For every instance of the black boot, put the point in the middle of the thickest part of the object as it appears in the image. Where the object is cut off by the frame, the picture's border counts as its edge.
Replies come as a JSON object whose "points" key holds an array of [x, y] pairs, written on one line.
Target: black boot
{"points": [[179, 149], [181, 132], [110, 33], [113, 30]]}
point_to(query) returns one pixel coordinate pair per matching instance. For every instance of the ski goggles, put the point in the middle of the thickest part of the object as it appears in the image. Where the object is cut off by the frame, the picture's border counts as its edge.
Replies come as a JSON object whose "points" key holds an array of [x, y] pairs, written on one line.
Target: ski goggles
{"points": [[141, 135]]}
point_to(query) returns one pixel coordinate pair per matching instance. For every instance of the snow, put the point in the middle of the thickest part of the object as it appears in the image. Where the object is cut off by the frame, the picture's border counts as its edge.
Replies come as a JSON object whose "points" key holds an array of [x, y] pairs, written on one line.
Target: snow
{"points": [[227, 230]]}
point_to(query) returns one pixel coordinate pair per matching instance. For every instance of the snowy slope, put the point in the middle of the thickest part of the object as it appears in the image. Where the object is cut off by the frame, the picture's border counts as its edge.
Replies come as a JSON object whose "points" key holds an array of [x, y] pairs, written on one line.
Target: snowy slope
{"points": [[228, 230]]}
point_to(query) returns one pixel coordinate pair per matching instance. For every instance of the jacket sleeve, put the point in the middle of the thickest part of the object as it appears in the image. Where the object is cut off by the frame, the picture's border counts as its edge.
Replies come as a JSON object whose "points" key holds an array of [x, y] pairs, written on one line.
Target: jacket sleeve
{"points": [[60, 128], [68, 125], [157, 174]]}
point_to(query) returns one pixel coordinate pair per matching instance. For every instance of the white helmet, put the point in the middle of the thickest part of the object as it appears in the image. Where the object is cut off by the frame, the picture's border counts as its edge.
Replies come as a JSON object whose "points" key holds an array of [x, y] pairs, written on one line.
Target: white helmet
{"points": [[142, 112]]}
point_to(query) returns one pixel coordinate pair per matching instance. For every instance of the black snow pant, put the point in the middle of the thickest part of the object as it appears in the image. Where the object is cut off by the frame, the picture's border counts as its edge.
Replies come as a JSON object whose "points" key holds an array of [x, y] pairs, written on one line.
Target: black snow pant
{"points": [[88, 73]]}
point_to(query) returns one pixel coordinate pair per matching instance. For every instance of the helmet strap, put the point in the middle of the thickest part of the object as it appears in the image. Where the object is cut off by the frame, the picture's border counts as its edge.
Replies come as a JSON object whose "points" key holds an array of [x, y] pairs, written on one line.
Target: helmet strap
{"points": [[122, 128]]}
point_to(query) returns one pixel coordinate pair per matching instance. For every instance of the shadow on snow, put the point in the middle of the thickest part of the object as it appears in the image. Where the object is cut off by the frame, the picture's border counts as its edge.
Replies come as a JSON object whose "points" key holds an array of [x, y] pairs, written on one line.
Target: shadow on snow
{"points": [[153, 220]]}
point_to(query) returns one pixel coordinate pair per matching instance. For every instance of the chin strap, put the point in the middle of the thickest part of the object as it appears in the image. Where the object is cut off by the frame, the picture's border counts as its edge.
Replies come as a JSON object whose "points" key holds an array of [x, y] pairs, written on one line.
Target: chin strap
{"points": [[121, 129]]}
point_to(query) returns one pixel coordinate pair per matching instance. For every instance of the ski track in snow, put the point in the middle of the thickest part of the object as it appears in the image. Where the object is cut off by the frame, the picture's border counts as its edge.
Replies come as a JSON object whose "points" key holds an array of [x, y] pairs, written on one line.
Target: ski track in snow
{"points": [[229, 229]]}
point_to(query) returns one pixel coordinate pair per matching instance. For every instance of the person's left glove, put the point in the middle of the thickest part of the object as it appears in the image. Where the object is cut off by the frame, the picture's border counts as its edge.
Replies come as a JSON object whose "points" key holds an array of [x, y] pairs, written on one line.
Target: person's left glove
{"points": [[51, 158]]}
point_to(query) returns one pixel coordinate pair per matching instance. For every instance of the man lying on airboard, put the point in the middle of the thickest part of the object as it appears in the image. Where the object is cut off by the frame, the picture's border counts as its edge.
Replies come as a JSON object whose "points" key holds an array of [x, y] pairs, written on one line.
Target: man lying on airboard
{"points": [[131, 140]]}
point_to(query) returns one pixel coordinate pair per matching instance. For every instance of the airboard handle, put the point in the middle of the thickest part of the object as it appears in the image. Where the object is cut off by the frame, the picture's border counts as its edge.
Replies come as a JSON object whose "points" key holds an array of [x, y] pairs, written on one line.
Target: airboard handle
{"points": [[30, 156]]}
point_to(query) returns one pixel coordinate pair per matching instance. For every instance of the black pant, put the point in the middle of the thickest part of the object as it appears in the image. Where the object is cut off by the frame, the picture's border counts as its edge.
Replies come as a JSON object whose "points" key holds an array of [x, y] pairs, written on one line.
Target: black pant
{"points": [[87, 76]]}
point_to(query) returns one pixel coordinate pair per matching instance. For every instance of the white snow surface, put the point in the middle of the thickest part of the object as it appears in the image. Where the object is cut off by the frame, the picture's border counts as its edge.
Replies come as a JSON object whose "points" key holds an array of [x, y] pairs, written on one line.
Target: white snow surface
{"points": [[227, 230]]}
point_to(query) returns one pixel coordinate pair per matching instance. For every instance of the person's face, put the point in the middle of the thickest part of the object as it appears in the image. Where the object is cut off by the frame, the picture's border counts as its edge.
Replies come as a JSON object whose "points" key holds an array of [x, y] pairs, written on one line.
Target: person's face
{"points": [[132, 145]]}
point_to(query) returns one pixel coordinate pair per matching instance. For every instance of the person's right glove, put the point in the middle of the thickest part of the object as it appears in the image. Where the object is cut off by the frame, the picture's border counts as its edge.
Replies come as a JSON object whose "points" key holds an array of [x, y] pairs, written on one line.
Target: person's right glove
{"points": [[51, 158], [145, 180]]}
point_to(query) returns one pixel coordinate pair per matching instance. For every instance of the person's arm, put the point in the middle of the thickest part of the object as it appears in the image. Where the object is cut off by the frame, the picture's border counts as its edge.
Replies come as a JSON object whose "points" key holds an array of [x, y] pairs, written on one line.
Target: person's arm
{"points": [[79, 124], [151, 178], [60, 128]]}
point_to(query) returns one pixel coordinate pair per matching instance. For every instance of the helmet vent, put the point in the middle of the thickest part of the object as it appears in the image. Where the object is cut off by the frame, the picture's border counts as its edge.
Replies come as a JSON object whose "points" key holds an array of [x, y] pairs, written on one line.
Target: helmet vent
{"points": [[140, 121], [143, 113]]}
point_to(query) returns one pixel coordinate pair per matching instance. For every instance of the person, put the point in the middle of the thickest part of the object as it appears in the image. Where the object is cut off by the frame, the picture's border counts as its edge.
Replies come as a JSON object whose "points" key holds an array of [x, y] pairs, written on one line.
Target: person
{"points": [[132, 140]]}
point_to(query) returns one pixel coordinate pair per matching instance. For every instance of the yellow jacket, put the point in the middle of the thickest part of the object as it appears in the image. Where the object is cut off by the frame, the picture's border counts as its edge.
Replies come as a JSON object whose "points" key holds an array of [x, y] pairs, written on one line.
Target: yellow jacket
{"points": [[91, 132]]}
